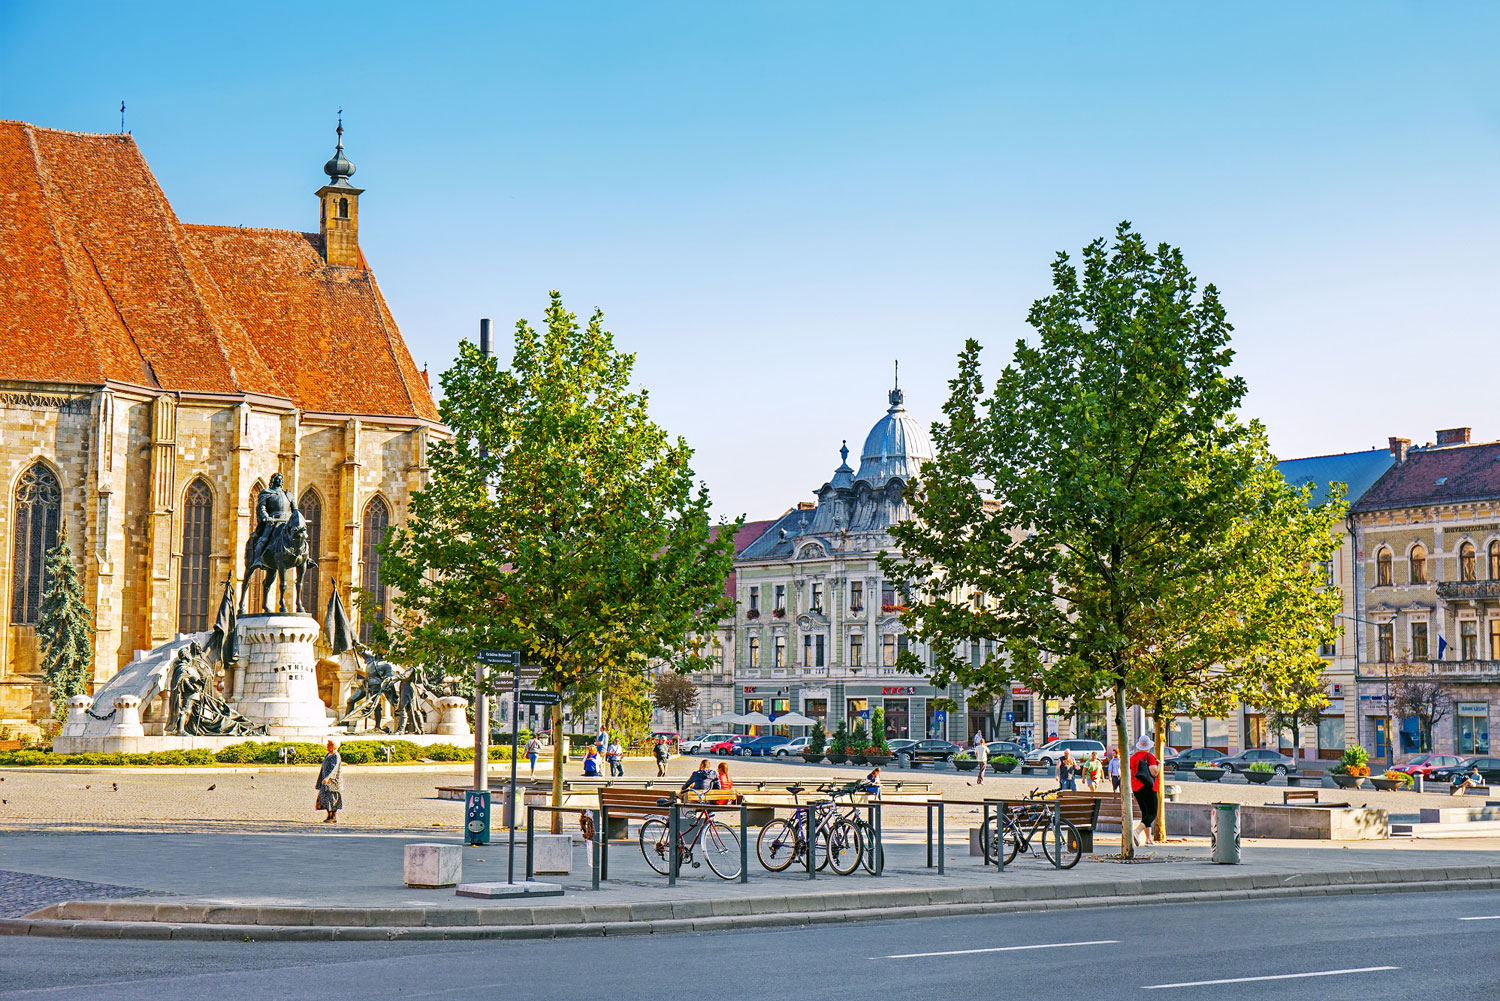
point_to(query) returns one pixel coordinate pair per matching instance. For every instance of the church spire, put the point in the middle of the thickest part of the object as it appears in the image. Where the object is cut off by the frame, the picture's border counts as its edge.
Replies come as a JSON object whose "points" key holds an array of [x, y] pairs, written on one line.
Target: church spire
{"points": [[338, 201]]}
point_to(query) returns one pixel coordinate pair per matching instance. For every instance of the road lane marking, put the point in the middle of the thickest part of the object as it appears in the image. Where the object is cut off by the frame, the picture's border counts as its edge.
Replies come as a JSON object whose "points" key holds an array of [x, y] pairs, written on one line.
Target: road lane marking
{"points": [[1484, 917], [999, 948], [1278, 976]]}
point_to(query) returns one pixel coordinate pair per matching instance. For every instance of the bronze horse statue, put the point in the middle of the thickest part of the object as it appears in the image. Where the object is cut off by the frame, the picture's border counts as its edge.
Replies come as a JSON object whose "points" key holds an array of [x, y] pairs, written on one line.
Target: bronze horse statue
{"points": [[284, 548]]}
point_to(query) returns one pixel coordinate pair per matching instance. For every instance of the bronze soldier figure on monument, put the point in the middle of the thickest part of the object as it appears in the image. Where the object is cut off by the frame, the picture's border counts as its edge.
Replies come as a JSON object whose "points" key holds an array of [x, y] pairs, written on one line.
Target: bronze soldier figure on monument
{"points": [[278, 544]]}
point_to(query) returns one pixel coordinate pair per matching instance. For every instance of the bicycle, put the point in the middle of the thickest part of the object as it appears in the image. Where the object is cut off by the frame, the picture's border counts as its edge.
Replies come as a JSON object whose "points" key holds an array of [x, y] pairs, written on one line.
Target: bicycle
{"points": [[721, 846], [852, 825], [1036, 821], [783, 840]]}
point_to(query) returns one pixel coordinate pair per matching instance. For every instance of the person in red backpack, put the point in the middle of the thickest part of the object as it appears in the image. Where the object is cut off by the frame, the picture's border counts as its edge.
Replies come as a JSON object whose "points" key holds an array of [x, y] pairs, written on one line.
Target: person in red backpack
{"points": [[1145, 778]]}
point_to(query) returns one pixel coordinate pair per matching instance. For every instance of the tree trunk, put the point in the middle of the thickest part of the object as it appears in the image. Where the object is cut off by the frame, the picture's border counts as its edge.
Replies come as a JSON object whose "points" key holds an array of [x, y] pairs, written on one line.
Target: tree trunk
{"points": [[1122, 738], [559, 756], [1159, 829]]}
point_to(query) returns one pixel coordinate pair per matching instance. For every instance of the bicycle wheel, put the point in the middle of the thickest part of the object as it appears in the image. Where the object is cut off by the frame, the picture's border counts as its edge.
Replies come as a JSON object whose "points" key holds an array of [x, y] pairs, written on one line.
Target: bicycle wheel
{"points": [[1013, 840], [844, 847], [872, 852], [721, 850], [777, 845], [1063, 847], [655, 838], [988, 835]]}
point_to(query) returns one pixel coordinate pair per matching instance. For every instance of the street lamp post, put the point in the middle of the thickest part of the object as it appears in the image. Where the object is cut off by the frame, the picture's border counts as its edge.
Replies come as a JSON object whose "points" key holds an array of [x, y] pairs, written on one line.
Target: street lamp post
{"points": [[1390, 756]]}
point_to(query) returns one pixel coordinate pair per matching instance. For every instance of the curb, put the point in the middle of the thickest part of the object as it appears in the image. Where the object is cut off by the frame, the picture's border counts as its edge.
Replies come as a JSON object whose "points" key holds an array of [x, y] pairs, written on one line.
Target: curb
{"points": [[136, 920]]}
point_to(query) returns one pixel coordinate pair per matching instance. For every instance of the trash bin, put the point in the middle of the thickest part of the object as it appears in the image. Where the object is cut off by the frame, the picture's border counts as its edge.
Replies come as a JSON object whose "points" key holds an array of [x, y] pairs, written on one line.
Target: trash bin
{"points": [[1226, 842], [476, 816]]}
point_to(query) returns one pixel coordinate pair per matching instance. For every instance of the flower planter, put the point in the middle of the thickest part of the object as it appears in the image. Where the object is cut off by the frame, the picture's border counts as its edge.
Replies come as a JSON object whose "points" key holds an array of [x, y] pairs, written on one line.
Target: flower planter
{"points": [[857, 759], [1209, 774], [812, 757], [838, 759], [939, 765], [1387, 785], [1004, 766], [1260, 778], [1348, 781], [878, 759], [967, 765]]}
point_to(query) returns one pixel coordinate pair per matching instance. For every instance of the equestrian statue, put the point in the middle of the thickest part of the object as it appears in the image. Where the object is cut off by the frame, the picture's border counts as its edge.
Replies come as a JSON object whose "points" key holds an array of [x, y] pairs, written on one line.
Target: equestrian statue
{"points": [[278, 544]]}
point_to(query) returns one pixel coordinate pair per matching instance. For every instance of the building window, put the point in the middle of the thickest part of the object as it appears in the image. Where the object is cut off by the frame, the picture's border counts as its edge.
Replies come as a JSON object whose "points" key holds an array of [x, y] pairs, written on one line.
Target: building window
{"points": [[856, 650], [754, 651], [1385, 642], [780, 597], [857, 596], [1330, 736], [1180, 733], [1495, 639], [312, 511], [888, 651], [1383, 568], [377, 522], [1472, 723], [1327, 571], [755, 599], [343, 208], [817, 597], [816, 709], [255, 601], [1468, 640], [819, 654], [1418, 565], [38, 512], [1328, 649], [780, 652], [889, 597], [197, 551], [807, 650], [1419, 641], [1495, 560], [1466, 562]]}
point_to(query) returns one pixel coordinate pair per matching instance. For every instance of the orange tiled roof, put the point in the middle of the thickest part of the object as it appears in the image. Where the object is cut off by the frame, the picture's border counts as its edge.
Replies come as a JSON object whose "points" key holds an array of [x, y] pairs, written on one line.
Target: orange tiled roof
{"points": [[99, 280]]}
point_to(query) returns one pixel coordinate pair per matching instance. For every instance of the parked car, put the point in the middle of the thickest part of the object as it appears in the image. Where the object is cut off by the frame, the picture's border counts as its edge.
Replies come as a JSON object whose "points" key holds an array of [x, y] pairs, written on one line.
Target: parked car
{"points": [[898, 746], [793, 747], [999, 747], [1425, 764], [672, 737], [1489, 768], [932, 749], [1051, 752], [1192, 757], [701, 743], [728, 744], [760, 747], [1280, 763]]}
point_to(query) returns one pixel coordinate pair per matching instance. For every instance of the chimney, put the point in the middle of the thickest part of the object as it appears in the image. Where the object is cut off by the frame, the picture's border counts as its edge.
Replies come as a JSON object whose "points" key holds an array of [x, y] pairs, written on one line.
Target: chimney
{"points": [[1398, 448], [1453, 436]]}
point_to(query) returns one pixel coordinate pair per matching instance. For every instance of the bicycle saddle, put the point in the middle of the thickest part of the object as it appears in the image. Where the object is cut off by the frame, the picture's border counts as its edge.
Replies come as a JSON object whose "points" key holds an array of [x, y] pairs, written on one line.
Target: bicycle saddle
{"points": [[794, 790], [665, 802]]}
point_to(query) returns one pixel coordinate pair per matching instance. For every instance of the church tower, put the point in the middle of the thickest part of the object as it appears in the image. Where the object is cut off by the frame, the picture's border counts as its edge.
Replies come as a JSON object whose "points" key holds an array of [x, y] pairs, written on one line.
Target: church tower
{"points": [[338, 204]]}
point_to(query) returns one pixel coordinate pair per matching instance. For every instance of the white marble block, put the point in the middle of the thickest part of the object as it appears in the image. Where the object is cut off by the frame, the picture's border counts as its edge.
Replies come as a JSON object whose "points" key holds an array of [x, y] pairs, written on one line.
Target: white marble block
{"points": [[552, 853], [279, 680], [78, 720], [453, 722], [125, 730], [431, 865]]}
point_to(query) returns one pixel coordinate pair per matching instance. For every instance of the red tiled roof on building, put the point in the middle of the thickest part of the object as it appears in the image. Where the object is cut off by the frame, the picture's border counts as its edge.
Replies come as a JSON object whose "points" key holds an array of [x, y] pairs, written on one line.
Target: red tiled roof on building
{"points": [[748, 533], [1437, 475], [100, 281]]}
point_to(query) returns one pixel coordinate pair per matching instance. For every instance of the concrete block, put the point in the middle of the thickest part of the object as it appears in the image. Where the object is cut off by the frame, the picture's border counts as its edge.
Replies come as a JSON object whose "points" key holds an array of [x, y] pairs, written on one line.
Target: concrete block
{"points": [[433, 865], [552, 854]]}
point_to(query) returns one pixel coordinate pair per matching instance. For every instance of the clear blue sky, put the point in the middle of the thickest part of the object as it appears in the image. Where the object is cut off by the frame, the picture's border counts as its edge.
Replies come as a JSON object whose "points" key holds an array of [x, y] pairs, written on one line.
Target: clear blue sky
{"points": [[771, 201]]}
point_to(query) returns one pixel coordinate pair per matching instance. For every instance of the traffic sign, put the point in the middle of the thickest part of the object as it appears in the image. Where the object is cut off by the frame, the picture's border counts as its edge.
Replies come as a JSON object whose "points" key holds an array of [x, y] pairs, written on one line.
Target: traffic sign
{"points": [[500, 658], [940, 716], [538, 697], [1010, 717]]}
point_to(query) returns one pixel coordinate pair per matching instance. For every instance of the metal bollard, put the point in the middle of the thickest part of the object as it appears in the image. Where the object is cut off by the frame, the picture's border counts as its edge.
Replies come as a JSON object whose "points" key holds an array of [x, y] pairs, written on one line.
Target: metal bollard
{"points": [[1226, 834]]}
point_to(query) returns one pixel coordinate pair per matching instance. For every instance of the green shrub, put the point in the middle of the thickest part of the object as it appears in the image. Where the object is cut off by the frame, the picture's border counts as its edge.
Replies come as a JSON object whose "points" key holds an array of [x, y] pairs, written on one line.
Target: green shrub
{"points": [[1262, 766], [818, 742], [1355, 756], [840, 743], [877, 731]]}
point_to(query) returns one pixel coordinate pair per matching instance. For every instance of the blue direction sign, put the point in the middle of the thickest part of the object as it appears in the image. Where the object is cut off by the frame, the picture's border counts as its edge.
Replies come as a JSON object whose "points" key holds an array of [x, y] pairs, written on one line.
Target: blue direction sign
{"points": [[500, 658]]}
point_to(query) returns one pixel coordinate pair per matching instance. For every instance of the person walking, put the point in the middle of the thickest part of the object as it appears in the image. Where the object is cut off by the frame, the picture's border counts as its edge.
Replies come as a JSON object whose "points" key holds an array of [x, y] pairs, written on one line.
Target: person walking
{"points": [[1067, 773], [1145, 775], [330, 784], [1093, 771], [661, 754], [601, 742], [982, 756], [1113, 760], [616, 758], [533, 748]]}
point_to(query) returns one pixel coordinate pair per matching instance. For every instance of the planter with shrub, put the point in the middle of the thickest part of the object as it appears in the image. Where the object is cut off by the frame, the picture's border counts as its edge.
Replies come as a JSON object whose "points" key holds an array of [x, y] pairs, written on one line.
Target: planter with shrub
{"points": [[1260, 772]]}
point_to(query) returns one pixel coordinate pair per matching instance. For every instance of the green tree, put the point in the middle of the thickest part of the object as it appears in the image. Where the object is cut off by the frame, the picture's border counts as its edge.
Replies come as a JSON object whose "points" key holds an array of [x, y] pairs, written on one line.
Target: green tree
{"points": [[1104, 516], [877, 731], [559, 520], [675, 693], [64, 628]]}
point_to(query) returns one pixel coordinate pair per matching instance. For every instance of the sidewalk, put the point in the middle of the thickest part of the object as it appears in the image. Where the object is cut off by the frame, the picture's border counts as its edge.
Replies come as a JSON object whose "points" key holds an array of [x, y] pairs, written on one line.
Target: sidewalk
{"points": [[342, 885]]}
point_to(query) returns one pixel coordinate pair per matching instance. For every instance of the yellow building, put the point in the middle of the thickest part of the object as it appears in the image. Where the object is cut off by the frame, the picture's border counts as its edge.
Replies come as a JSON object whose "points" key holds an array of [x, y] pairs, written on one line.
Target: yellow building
{"points": [[153, 375]]}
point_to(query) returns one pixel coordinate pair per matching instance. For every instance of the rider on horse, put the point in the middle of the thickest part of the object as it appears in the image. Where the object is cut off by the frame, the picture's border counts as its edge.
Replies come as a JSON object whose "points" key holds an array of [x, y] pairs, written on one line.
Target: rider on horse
{"points": [[270, 545]]}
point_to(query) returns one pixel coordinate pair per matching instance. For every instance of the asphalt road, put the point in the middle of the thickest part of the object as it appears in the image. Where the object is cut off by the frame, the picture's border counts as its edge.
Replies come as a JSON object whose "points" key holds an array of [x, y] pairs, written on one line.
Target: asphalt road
{"points": [[1325, 949]]}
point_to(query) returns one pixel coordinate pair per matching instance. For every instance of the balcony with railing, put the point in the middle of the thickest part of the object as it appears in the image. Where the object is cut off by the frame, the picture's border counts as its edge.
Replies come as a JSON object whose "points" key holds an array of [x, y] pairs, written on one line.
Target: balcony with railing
{"points": [[1469, 590], [1471, 671]]}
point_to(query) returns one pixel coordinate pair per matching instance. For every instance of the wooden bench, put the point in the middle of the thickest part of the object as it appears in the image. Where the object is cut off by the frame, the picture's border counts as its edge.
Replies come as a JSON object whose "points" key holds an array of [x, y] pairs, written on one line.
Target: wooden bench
{"points": [[1299, 796], [1081, 809]]}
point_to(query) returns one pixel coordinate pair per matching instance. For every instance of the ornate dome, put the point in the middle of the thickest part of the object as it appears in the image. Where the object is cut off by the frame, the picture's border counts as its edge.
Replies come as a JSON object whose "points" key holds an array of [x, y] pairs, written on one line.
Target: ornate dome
{"points": [[895, 448], [338, 168]]}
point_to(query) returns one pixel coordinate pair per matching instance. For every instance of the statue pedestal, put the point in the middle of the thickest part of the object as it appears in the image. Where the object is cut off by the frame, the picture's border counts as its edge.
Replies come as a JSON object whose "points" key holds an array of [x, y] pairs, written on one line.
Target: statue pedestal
{"points": [[280, 681]]}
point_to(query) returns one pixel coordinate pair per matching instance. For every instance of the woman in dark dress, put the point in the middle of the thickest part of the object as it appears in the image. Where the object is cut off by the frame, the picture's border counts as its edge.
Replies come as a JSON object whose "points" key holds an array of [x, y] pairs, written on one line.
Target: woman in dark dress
{"points": [[330, 793]]}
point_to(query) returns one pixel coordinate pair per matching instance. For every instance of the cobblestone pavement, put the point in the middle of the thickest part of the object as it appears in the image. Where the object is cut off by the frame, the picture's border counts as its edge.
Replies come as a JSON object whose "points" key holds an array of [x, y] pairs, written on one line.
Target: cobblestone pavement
{"points": [[404, 798], [24, 892]]}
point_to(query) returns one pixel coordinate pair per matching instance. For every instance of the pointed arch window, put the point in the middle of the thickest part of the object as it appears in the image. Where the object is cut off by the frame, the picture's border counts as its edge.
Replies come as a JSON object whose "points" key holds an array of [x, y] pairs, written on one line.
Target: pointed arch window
{"points": [[1418, 565], [254, 604], [1383, 568], [1466, 569], [38, 514], [312, 510], [377, 522], [197, 555], [343, 208]]}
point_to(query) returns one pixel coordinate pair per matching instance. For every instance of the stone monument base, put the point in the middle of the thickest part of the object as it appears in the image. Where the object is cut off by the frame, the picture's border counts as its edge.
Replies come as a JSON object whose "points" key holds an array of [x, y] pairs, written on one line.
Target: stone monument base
{"points": [[279, 689]]}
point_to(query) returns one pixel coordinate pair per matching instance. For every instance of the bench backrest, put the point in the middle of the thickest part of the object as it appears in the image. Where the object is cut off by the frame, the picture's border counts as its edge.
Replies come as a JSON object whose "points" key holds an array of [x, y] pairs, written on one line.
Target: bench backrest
{"points": [[1080, 809]]}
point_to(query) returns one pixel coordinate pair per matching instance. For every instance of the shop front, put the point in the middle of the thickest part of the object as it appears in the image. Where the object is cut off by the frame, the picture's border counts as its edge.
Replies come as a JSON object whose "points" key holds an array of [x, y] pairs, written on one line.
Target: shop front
{"points": [[908, 709]]}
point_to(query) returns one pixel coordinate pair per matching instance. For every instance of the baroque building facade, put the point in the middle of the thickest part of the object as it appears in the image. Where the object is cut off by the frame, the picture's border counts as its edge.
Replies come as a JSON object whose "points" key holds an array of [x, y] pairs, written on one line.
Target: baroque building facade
{"points": [[154, 374]]}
